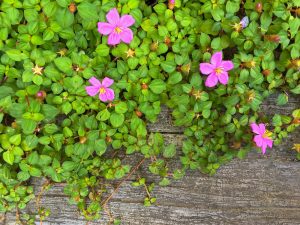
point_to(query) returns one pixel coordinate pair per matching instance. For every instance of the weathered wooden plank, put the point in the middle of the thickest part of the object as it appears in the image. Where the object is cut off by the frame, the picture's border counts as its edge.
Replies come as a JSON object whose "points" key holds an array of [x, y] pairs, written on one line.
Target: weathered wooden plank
{"points": [[164, 123], [258, 190]]}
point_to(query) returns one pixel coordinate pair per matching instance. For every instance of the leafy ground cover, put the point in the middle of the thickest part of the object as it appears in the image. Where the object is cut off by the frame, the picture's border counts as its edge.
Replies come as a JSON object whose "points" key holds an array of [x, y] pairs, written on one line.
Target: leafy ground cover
{"points": [[80, 81]]}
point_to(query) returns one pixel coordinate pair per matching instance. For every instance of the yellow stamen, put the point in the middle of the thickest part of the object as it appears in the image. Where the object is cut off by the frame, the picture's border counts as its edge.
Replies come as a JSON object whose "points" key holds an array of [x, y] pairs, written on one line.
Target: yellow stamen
{"points": [[218, 71], [267, 134], [102, 90], [238, 27], [118, 30]]}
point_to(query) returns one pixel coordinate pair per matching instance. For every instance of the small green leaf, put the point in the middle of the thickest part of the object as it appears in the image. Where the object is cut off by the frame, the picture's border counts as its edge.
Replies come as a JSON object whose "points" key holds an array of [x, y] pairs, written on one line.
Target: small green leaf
{"points": [[157, 86], [169, 151], [9, 157], [116, 119], [121, 107], [100, 147]]}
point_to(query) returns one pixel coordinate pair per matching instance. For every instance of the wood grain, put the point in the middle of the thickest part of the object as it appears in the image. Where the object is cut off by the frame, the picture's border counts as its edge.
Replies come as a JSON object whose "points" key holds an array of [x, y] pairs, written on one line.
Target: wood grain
{"points": [[258, 190]]}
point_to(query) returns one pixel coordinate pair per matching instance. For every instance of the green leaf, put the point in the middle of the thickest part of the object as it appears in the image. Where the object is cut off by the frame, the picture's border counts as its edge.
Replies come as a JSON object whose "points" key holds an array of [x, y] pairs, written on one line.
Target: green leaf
{"points": [[168, 66], [100, 147], [5, 91], [28, 126], [69, 166], [217, 14], [169, 151], [102, 50], [175, 78], [23, 175], [103, 115], [15, 139], [64, 17], [16, 54], [296, 90], [87, 11], [282, 99], [64, 64], [9, 157], [38, 80], [116, 119], [157, 86], [121, 107]]}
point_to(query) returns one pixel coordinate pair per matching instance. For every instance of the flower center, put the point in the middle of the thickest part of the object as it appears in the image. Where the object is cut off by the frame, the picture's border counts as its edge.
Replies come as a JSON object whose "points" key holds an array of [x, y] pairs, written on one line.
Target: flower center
{"points": [[267, 134], [118, 30], [219, 70], [102, 90]]}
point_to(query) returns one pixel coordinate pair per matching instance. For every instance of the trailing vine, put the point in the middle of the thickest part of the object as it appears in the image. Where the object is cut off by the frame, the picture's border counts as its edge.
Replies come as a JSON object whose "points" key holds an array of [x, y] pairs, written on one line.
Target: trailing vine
{"points": [[80, 80]]}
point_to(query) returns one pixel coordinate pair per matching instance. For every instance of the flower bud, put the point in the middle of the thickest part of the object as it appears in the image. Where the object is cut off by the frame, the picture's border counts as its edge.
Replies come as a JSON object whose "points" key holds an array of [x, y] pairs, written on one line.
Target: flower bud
{"points": [[41, 95], [259, 7], [138, 113], [108, 139], [167, 41], [266, 72], [273, 38], [144, 86], [72, 7]]}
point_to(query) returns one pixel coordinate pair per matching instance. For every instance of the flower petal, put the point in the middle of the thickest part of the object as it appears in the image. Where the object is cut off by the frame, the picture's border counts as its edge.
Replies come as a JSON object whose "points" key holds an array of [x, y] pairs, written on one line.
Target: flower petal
{"points": [[216, 59], [113, 39], [258, 140], [110, 94], [126, 35], [211, 80], [255, 128], [206, 68], [113, 16], [223, 78], [106, 82], [263, 148], [262, 128], [92, 90], [227, 65], [103, 97], [269, 142], [105, 28], [126, 21], [94, 81]]}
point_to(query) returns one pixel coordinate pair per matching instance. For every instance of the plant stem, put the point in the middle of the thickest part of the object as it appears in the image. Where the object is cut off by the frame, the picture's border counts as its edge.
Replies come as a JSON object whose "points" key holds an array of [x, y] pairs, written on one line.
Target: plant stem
{"points": [[103, 203]]}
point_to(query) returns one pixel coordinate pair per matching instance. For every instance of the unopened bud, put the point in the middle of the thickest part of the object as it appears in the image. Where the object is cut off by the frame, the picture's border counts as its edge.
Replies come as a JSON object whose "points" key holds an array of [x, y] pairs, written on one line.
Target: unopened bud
{"points": [[41, 95], [72, 7], [273, 38], [259, 7], [144, 86], [167, 41], [138, 113], [266, 72]]}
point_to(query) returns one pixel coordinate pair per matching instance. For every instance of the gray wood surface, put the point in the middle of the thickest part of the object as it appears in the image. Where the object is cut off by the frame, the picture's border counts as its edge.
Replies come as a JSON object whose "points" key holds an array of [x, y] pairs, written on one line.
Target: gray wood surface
{"points": [[257, 190]]}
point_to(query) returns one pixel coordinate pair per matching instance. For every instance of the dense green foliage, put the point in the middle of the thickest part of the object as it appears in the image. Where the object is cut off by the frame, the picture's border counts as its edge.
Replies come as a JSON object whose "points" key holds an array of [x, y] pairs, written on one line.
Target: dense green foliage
{"points": [[51, 128]]}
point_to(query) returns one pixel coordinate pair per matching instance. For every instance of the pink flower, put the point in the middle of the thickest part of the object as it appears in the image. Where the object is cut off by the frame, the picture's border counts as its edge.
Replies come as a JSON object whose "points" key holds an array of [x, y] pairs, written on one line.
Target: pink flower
{"points": [[117, 28], [105, 93], [216, 69], [262, 137]]}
